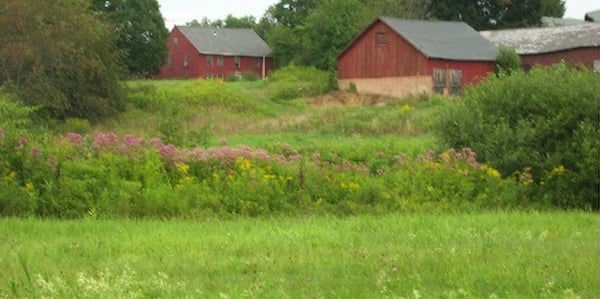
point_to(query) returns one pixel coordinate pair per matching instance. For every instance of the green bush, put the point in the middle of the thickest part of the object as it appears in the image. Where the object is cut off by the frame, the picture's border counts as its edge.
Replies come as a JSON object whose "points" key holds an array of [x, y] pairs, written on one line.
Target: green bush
{"points": [[293, 82], [507, 61], [540, 127], [250, 76]]}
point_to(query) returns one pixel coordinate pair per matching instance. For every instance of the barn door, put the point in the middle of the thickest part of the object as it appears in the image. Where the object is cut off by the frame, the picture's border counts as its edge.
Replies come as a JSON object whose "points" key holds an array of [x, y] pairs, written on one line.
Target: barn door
{"points": [[447, 81]]}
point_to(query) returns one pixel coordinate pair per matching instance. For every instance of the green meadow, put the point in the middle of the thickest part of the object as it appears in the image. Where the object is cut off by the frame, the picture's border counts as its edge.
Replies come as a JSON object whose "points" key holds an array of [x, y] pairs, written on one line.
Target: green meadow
{"points": [[207, 189], [470, 255]]}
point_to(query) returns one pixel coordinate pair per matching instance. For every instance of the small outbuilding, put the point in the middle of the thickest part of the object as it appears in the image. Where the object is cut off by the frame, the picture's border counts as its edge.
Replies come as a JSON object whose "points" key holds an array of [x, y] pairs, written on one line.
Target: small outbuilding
{"points": [[199, 52], [550, 45], [401, 57]]}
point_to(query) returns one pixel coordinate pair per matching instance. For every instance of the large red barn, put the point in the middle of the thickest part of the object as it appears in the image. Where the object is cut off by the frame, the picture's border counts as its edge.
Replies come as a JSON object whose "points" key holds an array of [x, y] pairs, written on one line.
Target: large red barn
{"points": [[549, 45], [402, 57], [199, 52]]}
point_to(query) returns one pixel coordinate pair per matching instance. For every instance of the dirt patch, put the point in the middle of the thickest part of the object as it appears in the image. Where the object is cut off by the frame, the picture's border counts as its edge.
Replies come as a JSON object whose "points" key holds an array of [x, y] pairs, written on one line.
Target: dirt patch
{"points": [[344, 98]]}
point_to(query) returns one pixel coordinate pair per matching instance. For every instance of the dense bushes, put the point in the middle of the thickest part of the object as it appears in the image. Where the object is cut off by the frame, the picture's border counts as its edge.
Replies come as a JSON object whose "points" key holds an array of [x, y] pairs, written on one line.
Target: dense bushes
{"points": [[111, 176], [540, 127], [295, 81]]}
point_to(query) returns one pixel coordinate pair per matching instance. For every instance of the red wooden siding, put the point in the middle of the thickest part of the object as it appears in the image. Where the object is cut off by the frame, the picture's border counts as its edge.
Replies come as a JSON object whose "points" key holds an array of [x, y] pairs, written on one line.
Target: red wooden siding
{"points": [[472, 71], [580, 55], [184, 61], [381, 52]]}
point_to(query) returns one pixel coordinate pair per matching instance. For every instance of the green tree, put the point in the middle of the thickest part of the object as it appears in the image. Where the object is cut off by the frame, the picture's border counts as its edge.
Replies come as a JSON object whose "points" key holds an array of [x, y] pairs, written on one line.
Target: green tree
{"points": [[553, 8], [229, 22], [291, 13], [495, 14], [285, 43], [141, 32], [241, 22], [58, 56], [332, 25]]}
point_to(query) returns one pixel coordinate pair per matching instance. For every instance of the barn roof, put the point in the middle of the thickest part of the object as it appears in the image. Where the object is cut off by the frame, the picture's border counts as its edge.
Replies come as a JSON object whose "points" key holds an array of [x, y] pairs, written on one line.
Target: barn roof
{"points": [[444, 40], [593, 16], [226, 41], [545, 40]]}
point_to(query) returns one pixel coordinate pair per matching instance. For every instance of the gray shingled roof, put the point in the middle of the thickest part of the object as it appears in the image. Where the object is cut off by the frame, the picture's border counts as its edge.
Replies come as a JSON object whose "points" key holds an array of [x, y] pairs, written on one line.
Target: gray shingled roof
{"points": [[226, 41], [444, 40], [546, 40]]}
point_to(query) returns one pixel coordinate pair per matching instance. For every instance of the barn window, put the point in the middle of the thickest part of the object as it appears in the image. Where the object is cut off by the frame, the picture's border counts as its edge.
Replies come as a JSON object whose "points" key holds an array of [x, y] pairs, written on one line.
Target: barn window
{"points": [[170, 62], [257, 62], [238, 61], [209, 76], [219, 60], [175, 42], [220, 76], [186, 60], [209, 60], [380, 38]]}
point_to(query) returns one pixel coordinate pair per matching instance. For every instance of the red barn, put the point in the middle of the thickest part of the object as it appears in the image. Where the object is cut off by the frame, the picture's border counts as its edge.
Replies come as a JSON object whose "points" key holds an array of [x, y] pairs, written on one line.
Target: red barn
{"points": [[198, 52], [546, 46], [402, 57]]}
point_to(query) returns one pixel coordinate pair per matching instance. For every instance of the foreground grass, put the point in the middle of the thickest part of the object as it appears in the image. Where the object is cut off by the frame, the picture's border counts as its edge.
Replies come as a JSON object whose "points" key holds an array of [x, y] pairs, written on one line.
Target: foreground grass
{"points": [[515, 255]]}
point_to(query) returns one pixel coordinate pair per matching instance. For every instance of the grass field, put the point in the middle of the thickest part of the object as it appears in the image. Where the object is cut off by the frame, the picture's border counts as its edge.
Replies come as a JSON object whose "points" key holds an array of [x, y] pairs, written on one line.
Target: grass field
{"points": [[496, 255]]}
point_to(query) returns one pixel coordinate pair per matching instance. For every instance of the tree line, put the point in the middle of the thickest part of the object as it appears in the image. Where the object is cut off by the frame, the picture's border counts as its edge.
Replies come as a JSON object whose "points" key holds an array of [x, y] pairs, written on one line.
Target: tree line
{"points": [[69, 57], [313, 32]]}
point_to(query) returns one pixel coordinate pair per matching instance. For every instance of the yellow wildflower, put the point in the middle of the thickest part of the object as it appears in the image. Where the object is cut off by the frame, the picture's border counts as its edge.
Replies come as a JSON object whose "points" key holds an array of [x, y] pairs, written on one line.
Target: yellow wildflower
{"points": [[243, 163], [29, 186], [490, 171], [445, 156], [556, 171], [405, 109], [353, 186], [182, 167]]}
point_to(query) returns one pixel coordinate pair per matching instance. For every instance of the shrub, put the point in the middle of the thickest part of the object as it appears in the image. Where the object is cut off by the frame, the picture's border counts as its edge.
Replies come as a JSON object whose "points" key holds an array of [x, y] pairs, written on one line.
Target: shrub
{"points": [[507, 61], [540, 127], [250, 76], [296, 81], [233, 78]]}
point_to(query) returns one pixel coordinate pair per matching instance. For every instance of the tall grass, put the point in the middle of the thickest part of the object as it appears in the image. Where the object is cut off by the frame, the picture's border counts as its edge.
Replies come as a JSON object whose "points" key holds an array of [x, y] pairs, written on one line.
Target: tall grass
{"points": [[207, 112], [515, 255]]}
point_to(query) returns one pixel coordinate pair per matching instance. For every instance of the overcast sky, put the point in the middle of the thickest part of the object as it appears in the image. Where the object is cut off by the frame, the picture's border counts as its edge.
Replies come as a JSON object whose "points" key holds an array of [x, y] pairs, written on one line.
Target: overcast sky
{"points": [[179, 12]]}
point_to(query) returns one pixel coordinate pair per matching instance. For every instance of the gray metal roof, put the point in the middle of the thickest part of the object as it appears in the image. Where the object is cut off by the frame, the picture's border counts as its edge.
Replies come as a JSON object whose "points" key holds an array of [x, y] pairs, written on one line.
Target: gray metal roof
{"points": [[546, 40], [593, 16], [226, 41], [553, 22], [445, 40]]}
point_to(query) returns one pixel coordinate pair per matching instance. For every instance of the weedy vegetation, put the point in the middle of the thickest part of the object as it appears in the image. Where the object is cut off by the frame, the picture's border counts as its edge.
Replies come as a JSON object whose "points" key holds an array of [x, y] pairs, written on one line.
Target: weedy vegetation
{"points": [[282, 188]]}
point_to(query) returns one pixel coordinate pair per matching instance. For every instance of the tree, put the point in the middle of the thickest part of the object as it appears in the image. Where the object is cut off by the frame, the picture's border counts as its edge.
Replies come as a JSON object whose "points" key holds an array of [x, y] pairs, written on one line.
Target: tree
{"points": [[494, 14], [553, 8], [241, 22], [332, 25], [291, 13], [65, 70], [281, 26], [141, 32]]}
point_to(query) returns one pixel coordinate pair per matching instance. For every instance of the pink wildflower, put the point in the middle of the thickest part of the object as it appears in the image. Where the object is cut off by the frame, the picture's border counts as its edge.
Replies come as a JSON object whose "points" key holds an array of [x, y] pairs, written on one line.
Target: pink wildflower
{"points": [[105, 140], [74, 137]]}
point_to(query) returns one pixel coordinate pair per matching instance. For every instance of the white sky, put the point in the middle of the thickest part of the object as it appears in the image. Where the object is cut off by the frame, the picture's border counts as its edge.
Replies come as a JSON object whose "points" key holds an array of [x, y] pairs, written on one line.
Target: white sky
{"points": [[179, 12]]}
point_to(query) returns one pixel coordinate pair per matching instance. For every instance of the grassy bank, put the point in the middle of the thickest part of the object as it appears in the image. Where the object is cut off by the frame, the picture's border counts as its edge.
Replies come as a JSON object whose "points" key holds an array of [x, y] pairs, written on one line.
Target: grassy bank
{"points": [[496, 255]]}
